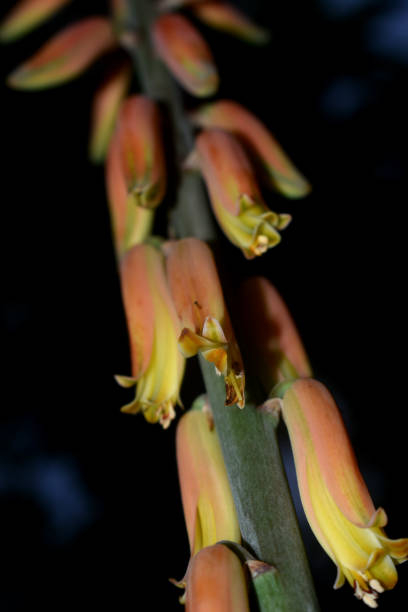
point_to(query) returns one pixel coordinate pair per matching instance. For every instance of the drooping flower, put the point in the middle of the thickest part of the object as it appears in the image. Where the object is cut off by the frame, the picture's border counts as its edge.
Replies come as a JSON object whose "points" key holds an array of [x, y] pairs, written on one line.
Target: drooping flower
{"points": [[215, 582], [228, 18], [131, 224], [26, 15], [278, 169], [276, 349], [235, 196], [138, 145], [208, 505], [66, 55], [153, 326], [335, 498], [105, 109], [186, 54], [199, 301]]}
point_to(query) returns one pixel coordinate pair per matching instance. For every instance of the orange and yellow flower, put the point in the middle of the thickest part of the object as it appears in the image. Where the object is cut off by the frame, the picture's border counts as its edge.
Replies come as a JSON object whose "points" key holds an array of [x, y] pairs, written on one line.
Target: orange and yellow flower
{"points": [[26, 15], [226, 17], [199, 301], [208, 505], [105, 109], [153, 326], [186, 54], [215, 582], [66, 55], [272, 338], [335, 498], [234, 193], [277, 167], [138, 144]]}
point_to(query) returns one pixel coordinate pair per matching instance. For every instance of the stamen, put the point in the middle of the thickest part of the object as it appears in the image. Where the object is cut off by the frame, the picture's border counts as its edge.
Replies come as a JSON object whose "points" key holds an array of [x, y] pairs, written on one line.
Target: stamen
{"points": [[370, 600], [376, 586]]}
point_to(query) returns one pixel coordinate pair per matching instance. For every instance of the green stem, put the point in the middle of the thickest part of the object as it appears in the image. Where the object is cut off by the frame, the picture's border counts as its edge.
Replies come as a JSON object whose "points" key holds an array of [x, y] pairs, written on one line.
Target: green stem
{"points": [[248, 437]]}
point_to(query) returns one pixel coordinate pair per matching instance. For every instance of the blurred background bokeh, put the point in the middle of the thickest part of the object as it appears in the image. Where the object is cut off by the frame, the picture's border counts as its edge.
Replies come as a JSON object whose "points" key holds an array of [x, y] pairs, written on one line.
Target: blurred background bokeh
{"points": [[90, 507]]}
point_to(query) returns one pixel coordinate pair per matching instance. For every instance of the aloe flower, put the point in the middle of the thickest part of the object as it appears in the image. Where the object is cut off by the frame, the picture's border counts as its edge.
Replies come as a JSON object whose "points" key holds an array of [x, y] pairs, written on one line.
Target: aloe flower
{"points": [[276, 348], [105, 108], [153, 326], [226, 17], [335, 498], [215, 582], [208, 505], [66, 55], [138, 144], [186, 54], [131, 224], [234, 193], [199, 301], [277, 167], [27, 15]]}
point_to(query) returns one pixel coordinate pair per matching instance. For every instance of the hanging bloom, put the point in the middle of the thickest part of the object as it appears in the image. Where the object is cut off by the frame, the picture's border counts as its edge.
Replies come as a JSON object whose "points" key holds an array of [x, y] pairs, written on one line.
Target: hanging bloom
{"points": [[226, 17], [105, 109], [272, 338], [278, 169], [66, 55], [157, 365], [216, 582], [131, 224], [337, 503], [206, 326], [138, 143], [186, 54], [26, 15], [208, 505], [235, 197]]}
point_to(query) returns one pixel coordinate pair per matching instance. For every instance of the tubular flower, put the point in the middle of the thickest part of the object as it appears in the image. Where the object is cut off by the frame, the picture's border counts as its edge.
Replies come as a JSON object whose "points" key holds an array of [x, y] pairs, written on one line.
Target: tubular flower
{"points": [[27, 15], [198, 298], [66, 55], [186, 54], [105, 109], [157, 365], [208, 505], [130, 224], [275, 344], [216, 582], [235, 197], [226, 17], [277, 167], [139, 147], [337, 503]]}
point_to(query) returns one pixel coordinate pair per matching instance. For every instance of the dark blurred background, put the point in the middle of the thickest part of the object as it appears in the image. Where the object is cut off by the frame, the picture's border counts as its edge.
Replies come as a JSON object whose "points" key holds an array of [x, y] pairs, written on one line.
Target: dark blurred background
{"points": [[90, 508]]}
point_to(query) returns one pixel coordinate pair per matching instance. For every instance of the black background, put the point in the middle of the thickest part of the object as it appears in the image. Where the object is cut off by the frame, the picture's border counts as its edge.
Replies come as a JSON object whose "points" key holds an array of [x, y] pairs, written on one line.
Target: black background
{"points": [[90, 508]]}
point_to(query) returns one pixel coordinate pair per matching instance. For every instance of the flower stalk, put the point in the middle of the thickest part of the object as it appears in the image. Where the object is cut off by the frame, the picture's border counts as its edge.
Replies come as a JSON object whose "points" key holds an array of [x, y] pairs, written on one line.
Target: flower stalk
{"points": [[264, 507]]}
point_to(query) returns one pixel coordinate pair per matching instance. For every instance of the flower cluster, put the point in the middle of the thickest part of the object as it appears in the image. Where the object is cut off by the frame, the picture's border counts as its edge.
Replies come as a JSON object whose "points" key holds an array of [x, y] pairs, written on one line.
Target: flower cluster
{"points": [[173, 299]]}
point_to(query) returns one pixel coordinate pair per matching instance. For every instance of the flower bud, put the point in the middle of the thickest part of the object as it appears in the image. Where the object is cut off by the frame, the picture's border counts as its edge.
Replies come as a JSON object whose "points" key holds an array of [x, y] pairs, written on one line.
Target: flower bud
{"points": [[335, 498], [66, 55], [105, 109], [138, 145], [273, 341], [277, 167], [216, 582], [199, 301], [26, 15], [186, 54], [208, 505], [226, 17], [153, 326], [235, 197]]}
